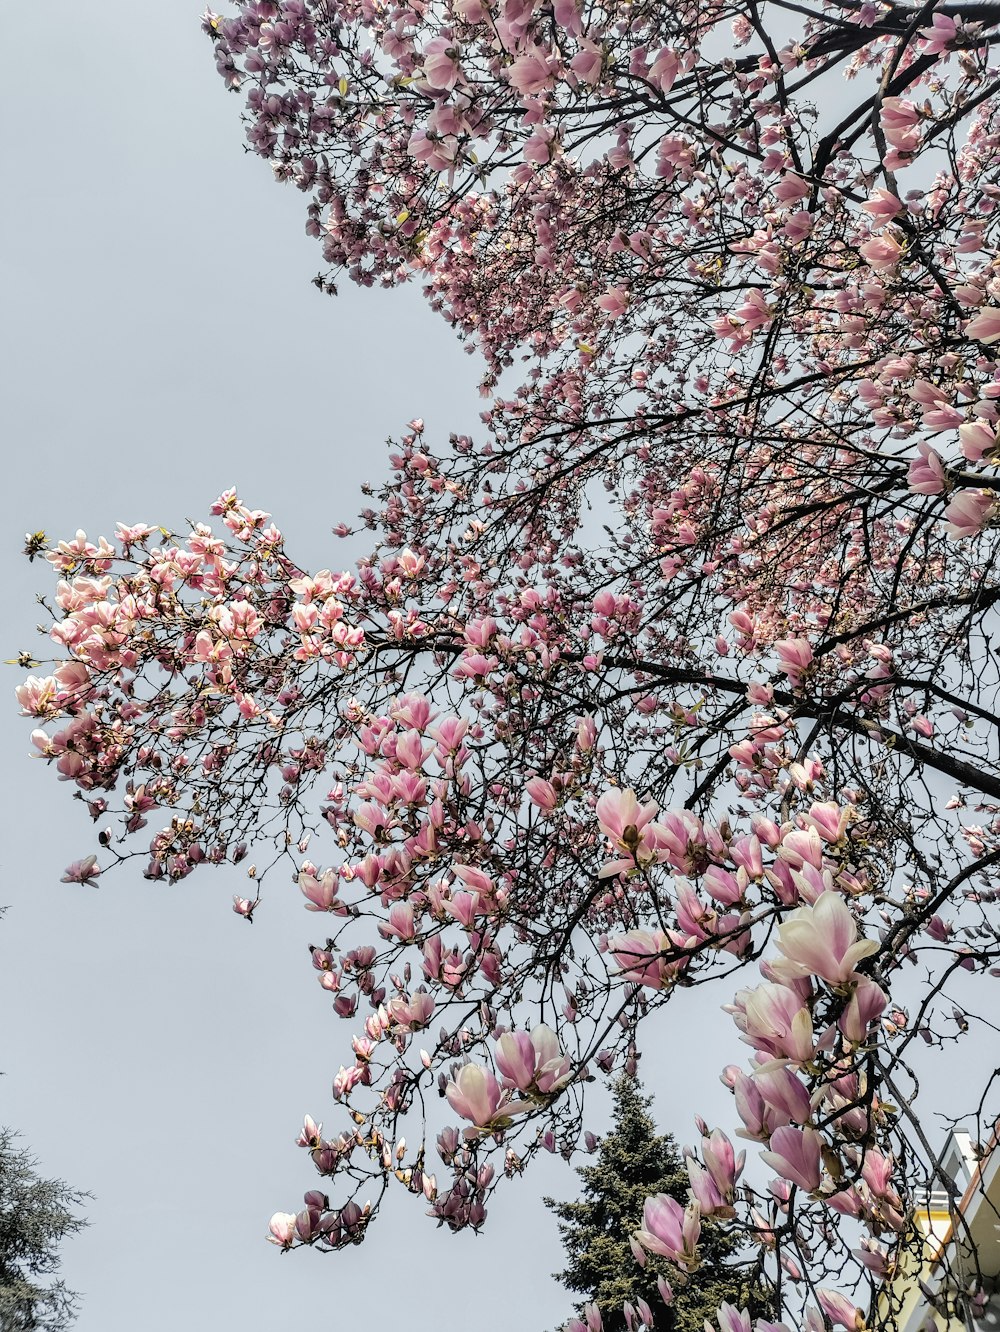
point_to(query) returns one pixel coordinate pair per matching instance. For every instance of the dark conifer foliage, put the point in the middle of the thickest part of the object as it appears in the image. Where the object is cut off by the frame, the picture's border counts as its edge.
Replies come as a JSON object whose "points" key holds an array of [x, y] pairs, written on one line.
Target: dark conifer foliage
{"points": [[632, 1163], [35, 1216]]}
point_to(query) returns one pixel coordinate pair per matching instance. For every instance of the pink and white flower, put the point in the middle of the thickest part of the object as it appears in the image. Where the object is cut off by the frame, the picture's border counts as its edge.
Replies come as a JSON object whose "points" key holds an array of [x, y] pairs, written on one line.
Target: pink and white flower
{"points": [[640, 955], [985, 327], [535, 1063], [796, 1154], [475, 1095], [670, 1229], [822, 940], [795, 656], [441, 68], [926, 473], [968, 513]]}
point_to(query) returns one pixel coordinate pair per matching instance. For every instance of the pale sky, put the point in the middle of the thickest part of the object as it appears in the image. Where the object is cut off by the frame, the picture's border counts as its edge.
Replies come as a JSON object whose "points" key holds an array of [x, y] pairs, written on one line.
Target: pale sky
{"points": [[162, 341]]}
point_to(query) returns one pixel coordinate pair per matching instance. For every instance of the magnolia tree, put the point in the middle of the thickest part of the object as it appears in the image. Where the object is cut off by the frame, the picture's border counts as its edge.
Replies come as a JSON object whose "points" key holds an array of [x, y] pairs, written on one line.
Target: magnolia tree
{"points": [[733, 276]]}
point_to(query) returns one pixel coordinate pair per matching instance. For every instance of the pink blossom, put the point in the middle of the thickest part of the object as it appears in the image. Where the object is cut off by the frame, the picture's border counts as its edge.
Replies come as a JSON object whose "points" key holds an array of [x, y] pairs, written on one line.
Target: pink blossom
{"points": [[541, 793], [865, 1006], [696, 919], [725, 887], [439, 155], [753, 313], [401, 923], [411, 750], [463, 907], [622, 819], [664, 69], [731, 1319], [873, 1256], [669, 1229], [883, 205], [926, 393], [882, 253], [282, 1228], [591, 1321], [410, 1014], [474, 666], [82, 871], [899, 120], [797, 226], [321, 891], [440, 62], [586, 734], [794, 657], [515, 1059], [791, 188], [530, 73], [614, 302], [346, 1079], [968, 513], [801, 847], [795, 1154], [723, 1164], [877, 1171], [475, 1095], [567, 14], [847, 1202], [705, 1191], [926, 474], [945, 417], [538, 148], [829, 820], [840, 1311], [985, 327], [37, 696], [978, 441], [774, 1021], [784, 1093], [822, 940], [746, 853], [533, 1063], [588, 63], [639, 955], [939, 37], [552, 1067], [130, 533], [475, 879]]}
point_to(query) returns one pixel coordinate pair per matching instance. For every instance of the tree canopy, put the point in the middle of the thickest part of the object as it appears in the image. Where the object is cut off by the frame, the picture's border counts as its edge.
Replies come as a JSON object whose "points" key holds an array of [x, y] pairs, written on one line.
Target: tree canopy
{"points": [[681, 673]]}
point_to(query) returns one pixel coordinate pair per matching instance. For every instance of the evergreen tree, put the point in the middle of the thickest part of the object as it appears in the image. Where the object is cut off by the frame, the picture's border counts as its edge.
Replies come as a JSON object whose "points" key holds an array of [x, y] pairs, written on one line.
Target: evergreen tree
{"points": [[35, 1215], [633, 1162]]}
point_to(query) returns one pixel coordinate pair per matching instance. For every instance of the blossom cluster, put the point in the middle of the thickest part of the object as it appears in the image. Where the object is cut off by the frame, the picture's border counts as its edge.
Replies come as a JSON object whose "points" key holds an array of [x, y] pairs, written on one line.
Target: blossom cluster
{"points": [[736, 295]]}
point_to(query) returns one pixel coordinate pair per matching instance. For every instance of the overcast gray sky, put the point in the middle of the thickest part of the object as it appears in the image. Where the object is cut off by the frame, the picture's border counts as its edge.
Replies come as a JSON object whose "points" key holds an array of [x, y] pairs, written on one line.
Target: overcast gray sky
{"points": [[161, 341]]}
